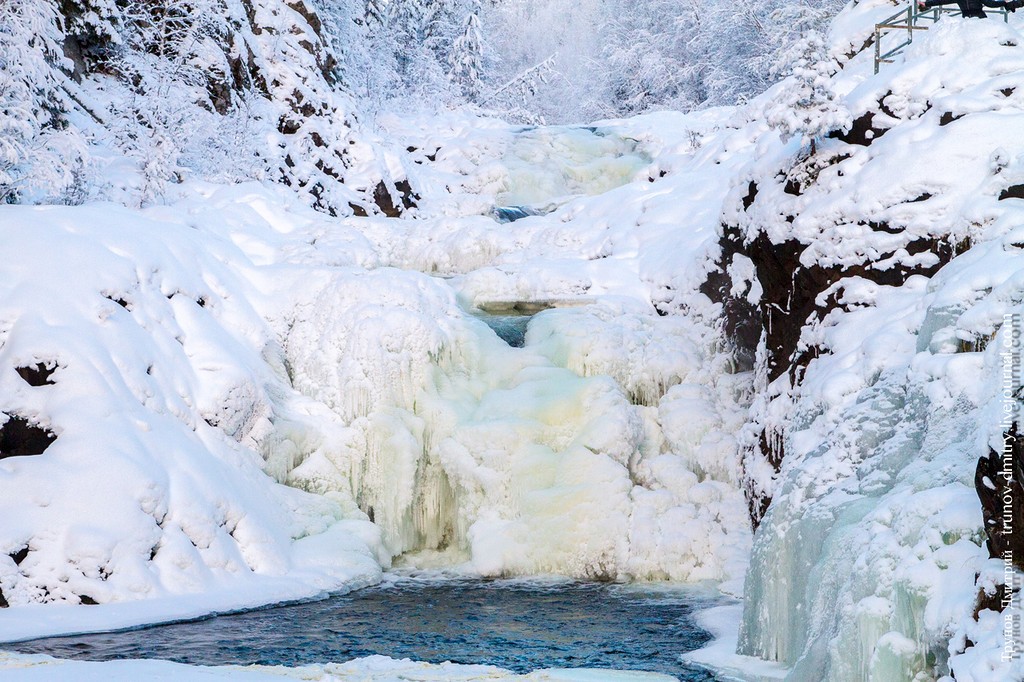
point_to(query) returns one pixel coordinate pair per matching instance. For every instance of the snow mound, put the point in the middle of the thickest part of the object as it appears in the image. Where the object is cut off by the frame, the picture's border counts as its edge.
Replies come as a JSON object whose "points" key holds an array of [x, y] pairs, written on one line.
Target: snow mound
{"points": [[165, 379]]}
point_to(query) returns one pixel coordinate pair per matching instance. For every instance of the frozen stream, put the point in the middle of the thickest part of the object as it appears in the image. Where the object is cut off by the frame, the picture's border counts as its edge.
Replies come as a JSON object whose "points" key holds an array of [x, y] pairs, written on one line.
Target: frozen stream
{"points": [[517, 625]]}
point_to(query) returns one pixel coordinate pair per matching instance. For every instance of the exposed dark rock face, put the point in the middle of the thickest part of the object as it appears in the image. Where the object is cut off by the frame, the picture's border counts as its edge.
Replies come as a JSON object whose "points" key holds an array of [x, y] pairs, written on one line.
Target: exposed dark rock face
{"points": [[120, 300], [863, 131], [409, 198], [741, 320], [1012, 192], [796, 290], [37, 375], [386, 203], [20, 555], [999, 481], [382, 197], [791, 290], [948, 117], [20, 438], [748, 200]]}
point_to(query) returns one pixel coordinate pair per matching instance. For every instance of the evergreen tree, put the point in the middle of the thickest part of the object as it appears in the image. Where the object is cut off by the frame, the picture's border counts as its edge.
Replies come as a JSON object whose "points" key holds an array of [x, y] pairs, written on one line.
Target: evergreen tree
{"points": [[807, 106], [376, 12], [408, 17], [467, 55]]}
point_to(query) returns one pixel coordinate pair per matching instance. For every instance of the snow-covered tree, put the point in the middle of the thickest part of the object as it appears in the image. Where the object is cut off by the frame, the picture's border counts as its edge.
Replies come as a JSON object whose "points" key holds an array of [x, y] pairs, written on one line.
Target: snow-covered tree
{"points": [[422, 34], [647, 58], [408, 18], [610, 57], [39, 152], [92, 26], [164, 63], [807, 107], [376, 12], [520, 35], [515, 97], [690, 53], [467, 54]]}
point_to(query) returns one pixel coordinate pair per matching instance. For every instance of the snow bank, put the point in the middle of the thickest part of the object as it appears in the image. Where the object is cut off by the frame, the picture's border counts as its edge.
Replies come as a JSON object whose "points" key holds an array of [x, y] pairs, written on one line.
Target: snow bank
{"points": [[165, 380]]}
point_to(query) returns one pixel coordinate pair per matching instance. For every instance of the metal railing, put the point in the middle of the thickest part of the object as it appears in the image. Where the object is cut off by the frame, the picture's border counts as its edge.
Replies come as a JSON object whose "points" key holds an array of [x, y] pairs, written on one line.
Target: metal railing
{"points": [[907, 21]]}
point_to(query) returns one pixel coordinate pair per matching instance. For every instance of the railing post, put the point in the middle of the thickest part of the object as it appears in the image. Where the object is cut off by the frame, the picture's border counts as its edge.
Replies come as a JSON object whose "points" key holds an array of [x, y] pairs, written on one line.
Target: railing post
{"points": [[878, 47], [911, 20]]}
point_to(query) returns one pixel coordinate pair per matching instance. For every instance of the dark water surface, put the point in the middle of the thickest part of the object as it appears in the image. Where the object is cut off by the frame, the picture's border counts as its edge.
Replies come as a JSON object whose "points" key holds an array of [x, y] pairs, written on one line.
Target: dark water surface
{"points": [[510, 328], [510, 214], [516, 625]]}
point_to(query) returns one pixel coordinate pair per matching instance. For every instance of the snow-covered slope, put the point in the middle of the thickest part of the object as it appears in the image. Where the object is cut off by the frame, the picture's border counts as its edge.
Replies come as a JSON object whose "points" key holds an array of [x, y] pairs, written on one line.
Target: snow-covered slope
{"points": [[166, 383]]}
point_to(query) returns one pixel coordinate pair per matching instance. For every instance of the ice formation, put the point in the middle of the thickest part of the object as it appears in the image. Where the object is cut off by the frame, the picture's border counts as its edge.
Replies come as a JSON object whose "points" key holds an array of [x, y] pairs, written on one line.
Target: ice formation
{"points": [[517, 459], [545, 165]]}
